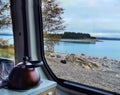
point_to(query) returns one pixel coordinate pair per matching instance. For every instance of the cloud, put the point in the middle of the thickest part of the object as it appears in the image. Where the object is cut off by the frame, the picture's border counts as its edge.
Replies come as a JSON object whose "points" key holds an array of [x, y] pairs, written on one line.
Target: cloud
{"points": [[92, 15], [101, 34], [89, 3], [6, 29]]}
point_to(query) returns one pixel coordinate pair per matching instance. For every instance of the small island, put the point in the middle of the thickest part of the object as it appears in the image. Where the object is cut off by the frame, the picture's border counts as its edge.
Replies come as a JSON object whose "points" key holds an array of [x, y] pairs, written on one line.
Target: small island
{"points": [[73, 35], [76, 37]]}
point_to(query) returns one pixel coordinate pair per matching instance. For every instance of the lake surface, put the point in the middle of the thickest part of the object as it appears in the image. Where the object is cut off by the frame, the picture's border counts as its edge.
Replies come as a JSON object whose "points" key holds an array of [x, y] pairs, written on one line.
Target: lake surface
{"points": [[108, 48]]}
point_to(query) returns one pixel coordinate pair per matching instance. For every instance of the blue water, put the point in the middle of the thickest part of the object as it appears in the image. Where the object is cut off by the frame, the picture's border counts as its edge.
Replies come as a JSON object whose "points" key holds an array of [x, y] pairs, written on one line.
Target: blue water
{"points": [[109, 48]]}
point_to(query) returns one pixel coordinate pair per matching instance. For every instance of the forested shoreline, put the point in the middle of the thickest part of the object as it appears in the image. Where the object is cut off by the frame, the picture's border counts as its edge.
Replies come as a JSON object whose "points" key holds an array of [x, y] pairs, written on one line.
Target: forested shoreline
{"points": [[73, 35]]}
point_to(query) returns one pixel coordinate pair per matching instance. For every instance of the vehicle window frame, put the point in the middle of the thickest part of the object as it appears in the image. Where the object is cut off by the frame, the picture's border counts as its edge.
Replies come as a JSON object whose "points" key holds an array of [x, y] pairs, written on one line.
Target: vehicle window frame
{"points": [[49, 73]]}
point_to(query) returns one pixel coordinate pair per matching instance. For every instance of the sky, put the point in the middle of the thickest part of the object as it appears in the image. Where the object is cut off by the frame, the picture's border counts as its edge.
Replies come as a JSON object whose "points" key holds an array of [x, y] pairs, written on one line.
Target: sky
{"points": [[97, 17]]}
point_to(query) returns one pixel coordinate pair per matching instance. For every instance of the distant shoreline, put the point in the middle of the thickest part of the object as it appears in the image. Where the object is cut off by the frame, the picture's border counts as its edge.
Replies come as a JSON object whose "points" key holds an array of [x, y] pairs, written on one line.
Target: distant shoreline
{"points": [[107, 38], [81, 40], [5, 34]]}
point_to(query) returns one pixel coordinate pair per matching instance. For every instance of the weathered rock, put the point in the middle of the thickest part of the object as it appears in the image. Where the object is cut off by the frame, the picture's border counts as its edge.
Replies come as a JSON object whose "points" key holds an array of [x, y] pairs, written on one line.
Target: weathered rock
{"points": [[105, 65], [58, 56], [87, 62], [52, 55], [82, 54], [94, 64], [63, 61], [82, 61], [105, 57], [70, 57], [86, 67]]}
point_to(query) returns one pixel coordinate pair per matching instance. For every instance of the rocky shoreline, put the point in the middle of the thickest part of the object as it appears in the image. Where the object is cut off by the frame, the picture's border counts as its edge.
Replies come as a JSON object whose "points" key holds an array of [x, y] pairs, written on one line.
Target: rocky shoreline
{"points": [[102, 73]]}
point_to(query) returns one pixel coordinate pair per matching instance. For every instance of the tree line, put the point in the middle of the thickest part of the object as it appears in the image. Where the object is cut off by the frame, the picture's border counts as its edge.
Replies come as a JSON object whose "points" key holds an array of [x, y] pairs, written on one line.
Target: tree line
{"points": [[52, 23], [73, 35], [51, 17]]}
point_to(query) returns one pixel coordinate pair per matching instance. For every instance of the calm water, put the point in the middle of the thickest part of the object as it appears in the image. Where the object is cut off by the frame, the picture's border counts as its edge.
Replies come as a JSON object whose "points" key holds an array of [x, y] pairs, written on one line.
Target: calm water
{"points": [[109, 48]]}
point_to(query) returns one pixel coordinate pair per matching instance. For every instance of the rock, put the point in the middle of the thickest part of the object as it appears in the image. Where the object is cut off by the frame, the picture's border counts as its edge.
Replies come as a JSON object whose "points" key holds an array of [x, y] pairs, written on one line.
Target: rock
{"points": [[52, 55], [83, 59], [82, 54], [63, 61], [105, 57], [105, 65], [86, 63], [118, 76], [86, 67], [70, 57], [95, 64], [58, 56], [116, 61]]}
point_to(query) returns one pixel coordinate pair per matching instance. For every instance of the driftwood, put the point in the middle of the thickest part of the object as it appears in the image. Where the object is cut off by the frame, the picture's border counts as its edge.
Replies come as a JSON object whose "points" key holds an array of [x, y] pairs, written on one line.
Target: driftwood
{"points": [[82, 61]]}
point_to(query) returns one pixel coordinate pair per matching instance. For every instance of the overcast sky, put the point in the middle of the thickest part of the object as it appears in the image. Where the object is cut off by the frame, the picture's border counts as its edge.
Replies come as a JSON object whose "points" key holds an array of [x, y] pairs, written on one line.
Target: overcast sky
{"points": [[97, 17]]}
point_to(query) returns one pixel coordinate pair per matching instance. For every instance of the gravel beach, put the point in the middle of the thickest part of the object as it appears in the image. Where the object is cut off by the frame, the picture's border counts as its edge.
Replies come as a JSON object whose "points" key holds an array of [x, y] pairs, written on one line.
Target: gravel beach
{"points": [[102, 73]]}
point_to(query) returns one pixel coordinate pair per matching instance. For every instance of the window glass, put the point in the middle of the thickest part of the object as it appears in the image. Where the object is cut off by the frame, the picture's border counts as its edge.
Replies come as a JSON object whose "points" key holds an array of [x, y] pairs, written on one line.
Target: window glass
{"points": [[6, 34], [82, 41], [6, 41]]}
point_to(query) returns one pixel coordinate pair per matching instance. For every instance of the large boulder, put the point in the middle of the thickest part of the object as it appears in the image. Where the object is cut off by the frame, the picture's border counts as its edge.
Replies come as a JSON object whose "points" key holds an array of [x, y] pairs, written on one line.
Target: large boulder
{"points": [[88, 64], [70, 57], [63, 61]]}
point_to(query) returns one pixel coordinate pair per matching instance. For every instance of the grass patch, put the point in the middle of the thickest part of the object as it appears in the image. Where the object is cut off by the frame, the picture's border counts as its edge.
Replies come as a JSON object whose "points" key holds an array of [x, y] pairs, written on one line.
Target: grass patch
{"points": [[7, 52]]}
